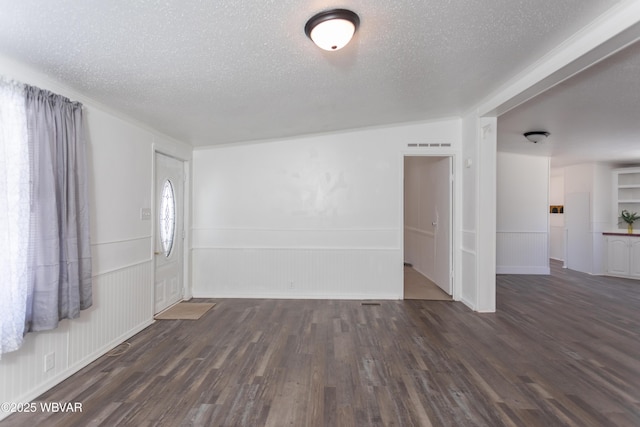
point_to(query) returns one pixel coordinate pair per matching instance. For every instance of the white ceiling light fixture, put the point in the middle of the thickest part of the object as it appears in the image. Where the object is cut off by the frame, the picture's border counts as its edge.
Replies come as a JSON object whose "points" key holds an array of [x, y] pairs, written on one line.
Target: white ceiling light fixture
{"points": [[536, 136], [332, 29]]}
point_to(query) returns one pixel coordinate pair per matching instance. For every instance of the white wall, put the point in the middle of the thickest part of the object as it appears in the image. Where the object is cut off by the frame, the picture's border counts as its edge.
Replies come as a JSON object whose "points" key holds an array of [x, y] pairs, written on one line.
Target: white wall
{"points": [[120, 155], [602, 202], [312, 217], [556, 221], [469, 271], [578, 187], [522, 217], [590, 182]]}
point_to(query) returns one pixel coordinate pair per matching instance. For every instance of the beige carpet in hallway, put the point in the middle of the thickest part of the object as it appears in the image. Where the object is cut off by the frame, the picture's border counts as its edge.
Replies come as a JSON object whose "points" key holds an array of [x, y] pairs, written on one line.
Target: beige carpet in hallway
{"points": [[416, 286]]}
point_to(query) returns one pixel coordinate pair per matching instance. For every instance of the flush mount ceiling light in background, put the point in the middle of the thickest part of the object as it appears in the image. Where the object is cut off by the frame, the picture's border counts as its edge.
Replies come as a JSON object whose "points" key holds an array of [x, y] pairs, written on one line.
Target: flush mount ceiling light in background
{"points": [[536, 136], [332, 29]]}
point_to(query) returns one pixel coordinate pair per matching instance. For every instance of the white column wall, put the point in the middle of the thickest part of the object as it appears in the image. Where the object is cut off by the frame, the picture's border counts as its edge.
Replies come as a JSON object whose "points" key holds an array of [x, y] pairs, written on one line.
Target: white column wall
{"points": [[486, 211], [479, 148], [469, 268]]}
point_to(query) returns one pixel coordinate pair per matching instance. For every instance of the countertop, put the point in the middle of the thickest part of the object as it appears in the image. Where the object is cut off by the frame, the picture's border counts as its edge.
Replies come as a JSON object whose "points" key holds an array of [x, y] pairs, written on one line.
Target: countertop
{"points": [[615, 233]]}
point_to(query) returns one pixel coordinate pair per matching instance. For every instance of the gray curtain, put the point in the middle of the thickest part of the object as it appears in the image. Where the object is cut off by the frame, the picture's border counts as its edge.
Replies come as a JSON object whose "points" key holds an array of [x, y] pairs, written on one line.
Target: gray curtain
{"points": [[60, 257]]}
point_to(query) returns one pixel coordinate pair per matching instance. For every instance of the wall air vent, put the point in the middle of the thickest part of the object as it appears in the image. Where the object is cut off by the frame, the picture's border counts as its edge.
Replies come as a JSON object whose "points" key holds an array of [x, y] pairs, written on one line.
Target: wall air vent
{"points": [[430, 144]]}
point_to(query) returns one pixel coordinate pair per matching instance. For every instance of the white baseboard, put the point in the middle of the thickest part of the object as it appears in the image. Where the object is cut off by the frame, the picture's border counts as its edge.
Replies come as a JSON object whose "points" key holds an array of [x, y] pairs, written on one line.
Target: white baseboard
{"points": [[468, 303], [299, 296]]}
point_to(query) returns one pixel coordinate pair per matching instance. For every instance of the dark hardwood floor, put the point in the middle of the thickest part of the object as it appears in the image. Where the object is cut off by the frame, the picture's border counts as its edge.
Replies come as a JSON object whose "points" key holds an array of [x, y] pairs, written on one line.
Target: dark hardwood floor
{"points": [[561, 350]]}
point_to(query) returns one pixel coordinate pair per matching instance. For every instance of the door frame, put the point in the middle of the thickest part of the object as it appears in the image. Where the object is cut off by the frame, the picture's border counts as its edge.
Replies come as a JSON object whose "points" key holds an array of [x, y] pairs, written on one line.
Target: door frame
{"points": [[455, 216], [186, 223]]}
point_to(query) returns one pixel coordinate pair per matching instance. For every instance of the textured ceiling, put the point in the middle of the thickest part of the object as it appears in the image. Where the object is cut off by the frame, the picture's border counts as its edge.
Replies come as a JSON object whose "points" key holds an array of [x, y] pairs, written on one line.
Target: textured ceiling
{"points": [[213, 72], [593, 116]]}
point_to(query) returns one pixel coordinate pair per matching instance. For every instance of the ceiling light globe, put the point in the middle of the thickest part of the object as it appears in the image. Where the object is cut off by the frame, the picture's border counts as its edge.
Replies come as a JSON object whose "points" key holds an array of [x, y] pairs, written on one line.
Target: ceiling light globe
{"points": [[332, 29], [333, 34]]}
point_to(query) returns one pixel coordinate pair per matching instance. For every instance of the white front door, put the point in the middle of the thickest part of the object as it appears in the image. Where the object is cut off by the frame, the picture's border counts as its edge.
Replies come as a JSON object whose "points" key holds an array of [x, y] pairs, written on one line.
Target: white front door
{"points": [[169, 231], [442, 224]]}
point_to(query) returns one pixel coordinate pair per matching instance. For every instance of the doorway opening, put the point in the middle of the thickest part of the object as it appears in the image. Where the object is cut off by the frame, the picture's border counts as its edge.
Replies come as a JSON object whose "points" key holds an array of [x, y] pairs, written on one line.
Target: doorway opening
{"points": [[427, 227]]}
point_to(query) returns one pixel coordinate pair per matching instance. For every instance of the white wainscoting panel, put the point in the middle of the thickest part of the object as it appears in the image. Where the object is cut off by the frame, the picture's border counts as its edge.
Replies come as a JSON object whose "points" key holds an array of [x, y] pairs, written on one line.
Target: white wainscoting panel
{"points": [[525, 252], [114, 255], [122, 306], [469, 291], [122, 302], [297, 273], [469, 276]]}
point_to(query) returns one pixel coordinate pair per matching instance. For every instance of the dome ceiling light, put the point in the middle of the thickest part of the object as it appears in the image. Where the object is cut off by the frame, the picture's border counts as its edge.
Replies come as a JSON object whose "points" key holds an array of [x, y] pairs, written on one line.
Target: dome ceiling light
{"points": [[332, 29], [536, 136]]}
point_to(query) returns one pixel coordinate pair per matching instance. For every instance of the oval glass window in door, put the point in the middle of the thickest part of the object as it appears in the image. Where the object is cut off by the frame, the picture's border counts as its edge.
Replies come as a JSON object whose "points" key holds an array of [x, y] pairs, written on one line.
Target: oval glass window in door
{"points": [[167, 217]]}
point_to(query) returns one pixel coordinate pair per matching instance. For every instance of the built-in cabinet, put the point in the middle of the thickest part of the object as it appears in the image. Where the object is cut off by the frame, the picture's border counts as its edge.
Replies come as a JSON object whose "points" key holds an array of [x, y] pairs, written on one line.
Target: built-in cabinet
{"points": [[626, 191], [623, 255], [622, 249]]}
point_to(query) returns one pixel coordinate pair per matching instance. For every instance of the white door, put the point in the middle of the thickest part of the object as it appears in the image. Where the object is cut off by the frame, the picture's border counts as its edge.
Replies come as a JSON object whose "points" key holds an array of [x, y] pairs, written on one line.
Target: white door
{"points": [[442, 224], [169, 231]]}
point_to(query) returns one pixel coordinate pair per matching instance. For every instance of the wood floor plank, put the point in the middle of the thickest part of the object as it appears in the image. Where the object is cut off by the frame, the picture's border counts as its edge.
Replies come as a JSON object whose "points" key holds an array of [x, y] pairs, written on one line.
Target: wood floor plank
{"points": [[561, 350]]}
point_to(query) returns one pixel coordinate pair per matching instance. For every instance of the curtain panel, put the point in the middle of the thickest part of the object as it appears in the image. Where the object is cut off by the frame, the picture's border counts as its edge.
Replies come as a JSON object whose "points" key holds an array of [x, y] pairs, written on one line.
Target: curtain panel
{"points": [[53, 279], [14, 215], [60, 253]]}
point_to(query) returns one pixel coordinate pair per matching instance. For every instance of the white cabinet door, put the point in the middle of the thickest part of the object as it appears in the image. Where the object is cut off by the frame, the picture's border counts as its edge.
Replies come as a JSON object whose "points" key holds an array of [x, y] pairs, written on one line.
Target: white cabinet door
{"points": [[634, 257], [618, 255]]}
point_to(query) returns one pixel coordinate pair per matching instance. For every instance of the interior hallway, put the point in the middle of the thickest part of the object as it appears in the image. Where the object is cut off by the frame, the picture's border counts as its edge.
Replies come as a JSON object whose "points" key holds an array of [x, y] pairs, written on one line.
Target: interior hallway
{"points": [[417, 286]]}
